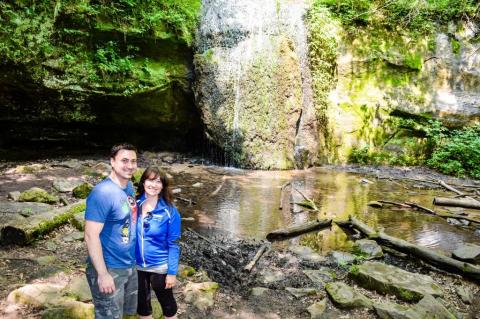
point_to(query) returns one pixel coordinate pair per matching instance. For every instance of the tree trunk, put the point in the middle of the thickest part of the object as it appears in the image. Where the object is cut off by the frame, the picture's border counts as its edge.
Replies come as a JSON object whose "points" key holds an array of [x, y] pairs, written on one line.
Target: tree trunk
{"points": [[300, 229], [456, 202], [430, 256]]}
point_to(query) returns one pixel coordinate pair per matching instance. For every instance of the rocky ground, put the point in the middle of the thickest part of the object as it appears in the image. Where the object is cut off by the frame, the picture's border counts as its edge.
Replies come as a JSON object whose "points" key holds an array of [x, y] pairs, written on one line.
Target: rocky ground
{"points": [[284, 283]]}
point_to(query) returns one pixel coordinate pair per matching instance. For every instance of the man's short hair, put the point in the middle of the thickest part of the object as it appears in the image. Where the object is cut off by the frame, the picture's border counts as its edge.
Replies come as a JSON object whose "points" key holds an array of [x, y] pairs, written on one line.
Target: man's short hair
{"points": [[123, 146]]}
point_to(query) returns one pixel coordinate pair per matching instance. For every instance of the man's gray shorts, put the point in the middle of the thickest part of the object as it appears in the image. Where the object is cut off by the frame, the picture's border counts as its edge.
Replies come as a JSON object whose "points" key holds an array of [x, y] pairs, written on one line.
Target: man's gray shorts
{"points": [[123, 301]]}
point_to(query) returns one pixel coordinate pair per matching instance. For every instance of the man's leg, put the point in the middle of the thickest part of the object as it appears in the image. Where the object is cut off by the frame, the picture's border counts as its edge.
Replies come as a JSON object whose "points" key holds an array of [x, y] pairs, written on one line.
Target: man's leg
{"points": [[131, 293], [106, 305]]}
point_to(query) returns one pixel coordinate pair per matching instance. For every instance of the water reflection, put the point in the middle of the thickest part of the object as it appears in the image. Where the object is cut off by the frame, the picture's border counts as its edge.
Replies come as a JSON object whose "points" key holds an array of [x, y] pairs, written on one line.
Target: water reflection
{"points": [[248, 206]]}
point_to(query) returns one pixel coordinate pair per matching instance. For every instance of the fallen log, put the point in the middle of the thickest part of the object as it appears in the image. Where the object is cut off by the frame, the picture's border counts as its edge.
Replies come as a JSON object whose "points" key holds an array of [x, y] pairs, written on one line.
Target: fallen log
{"points": [[186, 200], [393, 203], [457, 202], [260, 252], [298, 229], [442, 215], [309, 203], [450, 188], [281, 194], [428, 255], [25, 230], [215, 192]]}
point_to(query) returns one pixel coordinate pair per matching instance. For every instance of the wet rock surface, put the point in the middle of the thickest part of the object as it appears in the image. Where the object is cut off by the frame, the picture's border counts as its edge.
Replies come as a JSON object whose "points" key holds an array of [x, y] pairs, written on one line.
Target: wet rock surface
{"points": [[468, 253], [390, 279]]}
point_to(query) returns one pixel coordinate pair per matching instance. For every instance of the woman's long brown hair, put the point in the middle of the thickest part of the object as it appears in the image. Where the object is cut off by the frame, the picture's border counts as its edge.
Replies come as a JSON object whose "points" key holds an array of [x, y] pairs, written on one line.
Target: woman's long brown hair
{"points": [[153, 172]]}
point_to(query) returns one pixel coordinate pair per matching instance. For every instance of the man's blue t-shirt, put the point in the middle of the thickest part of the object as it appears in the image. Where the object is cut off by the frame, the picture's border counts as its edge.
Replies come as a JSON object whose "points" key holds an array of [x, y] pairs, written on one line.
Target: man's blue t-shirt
{"points": [[115, 207]]}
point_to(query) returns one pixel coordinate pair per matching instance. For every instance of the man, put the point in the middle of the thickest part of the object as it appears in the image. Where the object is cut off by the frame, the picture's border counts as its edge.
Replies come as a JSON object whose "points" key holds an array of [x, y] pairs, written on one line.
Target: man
{"points": [[110, 219]]}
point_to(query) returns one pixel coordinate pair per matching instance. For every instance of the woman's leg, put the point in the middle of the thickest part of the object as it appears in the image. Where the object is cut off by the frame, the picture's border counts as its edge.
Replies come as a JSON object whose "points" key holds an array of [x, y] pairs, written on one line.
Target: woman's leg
{"points": [[164, 296], [144, 308]]}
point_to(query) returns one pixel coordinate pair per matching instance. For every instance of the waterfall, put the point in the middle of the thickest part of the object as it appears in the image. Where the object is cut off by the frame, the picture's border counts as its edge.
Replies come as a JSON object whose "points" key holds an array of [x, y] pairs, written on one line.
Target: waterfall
{"points": [[253, 85]]}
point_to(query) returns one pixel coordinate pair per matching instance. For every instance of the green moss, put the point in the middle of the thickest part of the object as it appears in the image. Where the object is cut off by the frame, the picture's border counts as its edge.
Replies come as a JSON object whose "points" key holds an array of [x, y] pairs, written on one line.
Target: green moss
{"points": [[80, 42], [322, 37], [36, 194], [354, 270], [418, 17], [414, 61], [60, 219], [408, 295], [82, 190], [455, 46]]}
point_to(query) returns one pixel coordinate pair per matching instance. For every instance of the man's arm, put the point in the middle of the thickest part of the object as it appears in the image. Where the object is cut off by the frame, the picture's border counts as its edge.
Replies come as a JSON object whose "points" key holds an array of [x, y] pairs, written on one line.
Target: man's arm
{"points": [[94, 247]]}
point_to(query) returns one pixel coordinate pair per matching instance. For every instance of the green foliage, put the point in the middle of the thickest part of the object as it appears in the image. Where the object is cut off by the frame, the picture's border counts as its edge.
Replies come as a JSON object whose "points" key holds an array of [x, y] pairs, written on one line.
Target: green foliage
{"points": [[65, 36], [455, 46], [371, 156], [110, 63], [455, 152], [419, 16], [176, 18], [322, 38]]}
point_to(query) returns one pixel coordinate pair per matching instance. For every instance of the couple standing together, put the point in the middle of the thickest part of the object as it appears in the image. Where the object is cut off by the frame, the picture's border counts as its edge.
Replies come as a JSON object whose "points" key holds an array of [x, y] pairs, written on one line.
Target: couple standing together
{"points": [[132, 241]]}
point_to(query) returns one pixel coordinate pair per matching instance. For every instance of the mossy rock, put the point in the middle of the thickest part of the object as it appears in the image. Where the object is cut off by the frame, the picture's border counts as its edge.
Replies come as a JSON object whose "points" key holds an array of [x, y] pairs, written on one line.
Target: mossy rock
{"points": [[39, 195], [82, 191], [78, 220], [70, 309], [185, 271], [346, 297]]}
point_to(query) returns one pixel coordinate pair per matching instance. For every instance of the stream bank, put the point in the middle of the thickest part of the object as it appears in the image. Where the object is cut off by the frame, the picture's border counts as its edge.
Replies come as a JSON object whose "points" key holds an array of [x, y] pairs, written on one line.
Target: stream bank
{"points": [[59, 256]]}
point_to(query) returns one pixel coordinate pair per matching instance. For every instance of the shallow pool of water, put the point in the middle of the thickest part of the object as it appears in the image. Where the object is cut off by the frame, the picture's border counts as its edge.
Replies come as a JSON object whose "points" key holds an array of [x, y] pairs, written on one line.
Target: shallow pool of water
{"points": [[248, 203]]}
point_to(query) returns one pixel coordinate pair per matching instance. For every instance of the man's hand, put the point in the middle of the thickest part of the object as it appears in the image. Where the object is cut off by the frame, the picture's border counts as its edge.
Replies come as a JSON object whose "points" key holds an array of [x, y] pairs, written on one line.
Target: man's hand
{"points": [[106, 283], [170, 281]]}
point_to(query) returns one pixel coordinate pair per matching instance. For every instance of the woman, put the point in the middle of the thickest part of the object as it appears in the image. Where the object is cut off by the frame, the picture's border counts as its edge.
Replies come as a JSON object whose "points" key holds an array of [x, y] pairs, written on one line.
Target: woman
{"points": [[157, 251]]}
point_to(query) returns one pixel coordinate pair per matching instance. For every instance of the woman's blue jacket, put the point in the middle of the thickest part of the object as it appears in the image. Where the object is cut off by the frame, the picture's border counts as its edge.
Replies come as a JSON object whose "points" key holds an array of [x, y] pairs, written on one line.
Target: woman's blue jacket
{"points": [[158, 235]]}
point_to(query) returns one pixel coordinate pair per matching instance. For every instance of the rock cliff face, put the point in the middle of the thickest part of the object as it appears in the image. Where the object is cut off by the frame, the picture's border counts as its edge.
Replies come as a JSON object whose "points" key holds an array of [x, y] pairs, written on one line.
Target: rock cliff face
{"points": [[122, 67], [272, 99], [252, 82], [385, 76], [275, 84]]}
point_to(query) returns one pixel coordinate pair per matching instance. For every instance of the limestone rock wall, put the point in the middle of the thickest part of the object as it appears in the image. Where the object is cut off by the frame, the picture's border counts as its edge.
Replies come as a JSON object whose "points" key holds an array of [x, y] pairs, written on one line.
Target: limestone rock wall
{"points": [[384, 76], [250, 84]]}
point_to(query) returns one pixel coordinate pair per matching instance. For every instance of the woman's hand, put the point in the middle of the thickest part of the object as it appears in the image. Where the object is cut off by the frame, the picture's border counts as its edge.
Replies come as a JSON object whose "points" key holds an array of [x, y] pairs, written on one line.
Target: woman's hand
{"points": [[170, 281]]}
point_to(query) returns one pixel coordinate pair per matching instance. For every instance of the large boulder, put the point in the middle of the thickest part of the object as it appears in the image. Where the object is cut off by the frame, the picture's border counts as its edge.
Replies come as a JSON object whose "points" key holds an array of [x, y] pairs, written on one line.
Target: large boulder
{"points": [[79, 289], [81, 191], [368, 249], [467, 252], [389, 279], [13, 210], [306, 254], [39, 295], [427, 307], [66, 185], [317, 309], [320, 276], [345, 296], [53, 299], [23, 230], [39, 195], [201, 295]]}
